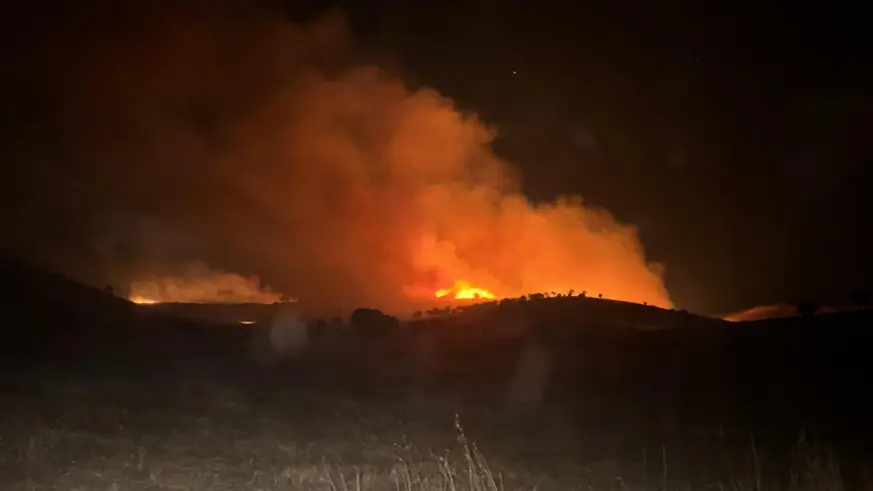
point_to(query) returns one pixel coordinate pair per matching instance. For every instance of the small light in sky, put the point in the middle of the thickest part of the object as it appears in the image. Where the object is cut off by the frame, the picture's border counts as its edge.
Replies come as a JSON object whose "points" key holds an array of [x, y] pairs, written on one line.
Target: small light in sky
{"points": [[514, 72]]}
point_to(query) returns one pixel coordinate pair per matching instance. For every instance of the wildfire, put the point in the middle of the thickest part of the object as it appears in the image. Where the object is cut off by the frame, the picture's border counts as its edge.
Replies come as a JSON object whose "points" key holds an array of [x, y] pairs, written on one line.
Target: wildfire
{"points": [[463, 290], [142, 300]]}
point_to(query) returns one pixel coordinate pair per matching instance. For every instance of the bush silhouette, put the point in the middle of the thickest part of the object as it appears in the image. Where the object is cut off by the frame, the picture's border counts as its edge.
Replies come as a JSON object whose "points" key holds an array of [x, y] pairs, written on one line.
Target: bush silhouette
{"points": [[373, 322]]}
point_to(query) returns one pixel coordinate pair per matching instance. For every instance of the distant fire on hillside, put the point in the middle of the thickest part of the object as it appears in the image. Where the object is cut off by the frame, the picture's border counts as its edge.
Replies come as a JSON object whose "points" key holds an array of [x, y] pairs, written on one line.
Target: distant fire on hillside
{"points": [[341, 185], [199, 284], [142, 300], [464, 291]]}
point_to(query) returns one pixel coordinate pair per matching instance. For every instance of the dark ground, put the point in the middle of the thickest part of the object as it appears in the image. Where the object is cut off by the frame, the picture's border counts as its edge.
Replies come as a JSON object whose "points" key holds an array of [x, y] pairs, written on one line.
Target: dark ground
{"points": [[98, 393]]}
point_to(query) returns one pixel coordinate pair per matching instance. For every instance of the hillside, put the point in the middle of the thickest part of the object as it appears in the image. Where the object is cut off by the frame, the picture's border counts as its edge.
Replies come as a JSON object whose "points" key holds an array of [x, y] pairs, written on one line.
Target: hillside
{"points": [[597, 342], [57, 317], [651, 373]]}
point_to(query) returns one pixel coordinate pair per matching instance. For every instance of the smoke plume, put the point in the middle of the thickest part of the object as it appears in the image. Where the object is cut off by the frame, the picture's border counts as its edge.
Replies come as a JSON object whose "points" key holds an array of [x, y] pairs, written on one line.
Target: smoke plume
{"points": [[335, 183], [198, 284], [762, 312]]}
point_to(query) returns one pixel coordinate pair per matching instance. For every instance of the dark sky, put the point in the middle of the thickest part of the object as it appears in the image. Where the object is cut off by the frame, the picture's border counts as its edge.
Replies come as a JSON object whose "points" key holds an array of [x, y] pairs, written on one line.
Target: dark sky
{"points": [[734, 138]]}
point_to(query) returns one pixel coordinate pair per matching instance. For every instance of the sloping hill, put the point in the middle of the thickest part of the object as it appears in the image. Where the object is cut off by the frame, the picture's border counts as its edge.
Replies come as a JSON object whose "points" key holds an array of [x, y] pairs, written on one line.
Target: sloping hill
{"points": [[574, 312], [26, 289], [50, 315]]}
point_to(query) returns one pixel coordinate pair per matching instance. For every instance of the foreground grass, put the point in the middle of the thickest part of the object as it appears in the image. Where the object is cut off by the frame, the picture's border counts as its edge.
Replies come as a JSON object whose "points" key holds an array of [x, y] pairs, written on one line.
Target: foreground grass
{"points": [[70, 434], [218, 452]]}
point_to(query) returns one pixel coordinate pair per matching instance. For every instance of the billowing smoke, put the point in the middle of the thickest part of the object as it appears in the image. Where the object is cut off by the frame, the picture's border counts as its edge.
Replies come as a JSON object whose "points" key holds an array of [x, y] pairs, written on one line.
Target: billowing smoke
{"points": [[336, 184], [199, 284]]}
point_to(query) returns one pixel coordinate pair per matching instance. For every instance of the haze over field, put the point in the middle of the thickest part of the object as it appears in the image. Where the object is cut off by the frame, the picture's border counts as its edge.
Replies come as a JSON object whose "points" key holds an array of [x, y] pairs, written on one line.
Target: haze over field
{"points": [[265, 151]]}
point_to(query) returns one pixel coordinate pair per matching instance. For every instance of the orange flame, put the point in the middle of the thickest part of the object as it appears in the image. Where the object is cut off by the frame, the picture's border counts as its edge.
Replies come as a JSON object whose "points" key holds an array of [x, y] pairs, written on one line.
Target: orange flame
{"points": [[463, 290], [142, 300]]}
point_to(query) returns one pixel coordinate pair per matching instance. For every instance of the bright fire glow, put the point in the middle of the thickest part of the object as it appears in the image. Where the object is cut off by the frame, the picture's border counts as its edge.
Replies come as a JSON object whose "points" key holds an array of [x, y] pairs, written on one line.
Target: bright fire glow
{"points": [[309, 169], [463, 290], [247, 323], [142, 300]]}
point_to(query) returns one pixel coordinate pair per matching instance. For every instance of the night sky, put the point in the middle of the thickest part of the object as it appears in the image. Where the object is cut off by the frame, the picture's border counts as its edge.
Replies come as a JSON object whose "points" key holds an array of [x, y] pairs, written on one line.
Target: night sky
{"points": [[732, 137]]}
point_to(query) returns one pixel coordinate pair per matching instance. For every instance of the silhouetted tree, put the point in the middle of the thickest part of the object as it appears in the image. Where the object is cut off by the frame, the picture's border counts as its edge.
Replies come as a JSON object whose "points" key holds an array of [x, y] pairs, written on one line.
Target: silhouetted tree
{"points": [[336, 323], [417, 314], [373, 322], [318, 327]]}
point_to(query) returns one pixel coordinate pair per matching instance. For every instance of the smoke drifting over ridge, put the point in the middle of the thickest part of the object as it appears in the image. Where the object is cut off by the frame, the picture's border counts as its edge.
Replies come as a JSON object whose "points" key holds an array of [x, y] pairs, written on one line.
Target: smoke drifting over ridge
{"points": [[199, 284], [336, 184]]}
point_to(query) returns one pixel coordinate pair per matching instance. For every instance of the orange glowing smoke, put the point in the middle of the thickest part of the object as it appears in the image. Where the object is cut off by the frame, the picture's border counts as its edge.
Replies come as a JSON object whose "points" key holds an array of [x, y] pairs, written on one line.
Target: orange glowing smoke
{"points": [[341, 185], [142, 300], [198, 283], [462, 291]]}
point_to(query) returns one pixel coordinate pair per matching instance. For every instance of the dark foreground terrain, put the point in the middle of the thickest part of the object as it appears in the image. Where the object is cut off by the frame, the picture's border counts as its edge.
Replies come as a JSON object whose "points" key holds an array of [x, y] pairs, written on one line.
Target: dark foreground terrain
{"points": [[98, 393]]}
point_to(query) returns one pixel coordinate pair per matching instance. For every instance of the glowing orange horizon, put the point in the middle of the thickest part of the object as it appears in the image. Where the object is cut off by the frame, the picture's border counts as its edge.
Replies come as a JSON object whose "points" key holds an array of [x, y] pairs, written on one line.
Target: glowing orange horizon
{"points": [[142, 300], [462, 290]]}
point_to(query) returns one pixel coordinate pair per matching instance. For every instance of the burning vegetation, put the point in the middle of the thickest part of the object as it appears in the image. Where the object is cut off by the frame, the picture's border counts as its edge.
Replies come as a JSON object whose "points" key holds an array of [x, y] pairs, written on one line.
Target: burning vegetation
{"points": [[339, 184], [463, 291]]}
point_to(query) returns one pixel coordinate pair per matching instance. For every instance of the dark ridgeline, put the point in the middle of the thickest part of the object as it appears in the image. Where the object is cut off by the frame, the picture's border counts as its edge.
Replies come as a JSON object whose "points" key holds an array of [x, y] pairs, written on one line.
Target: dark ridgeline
{"points": [[774, 377]]}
